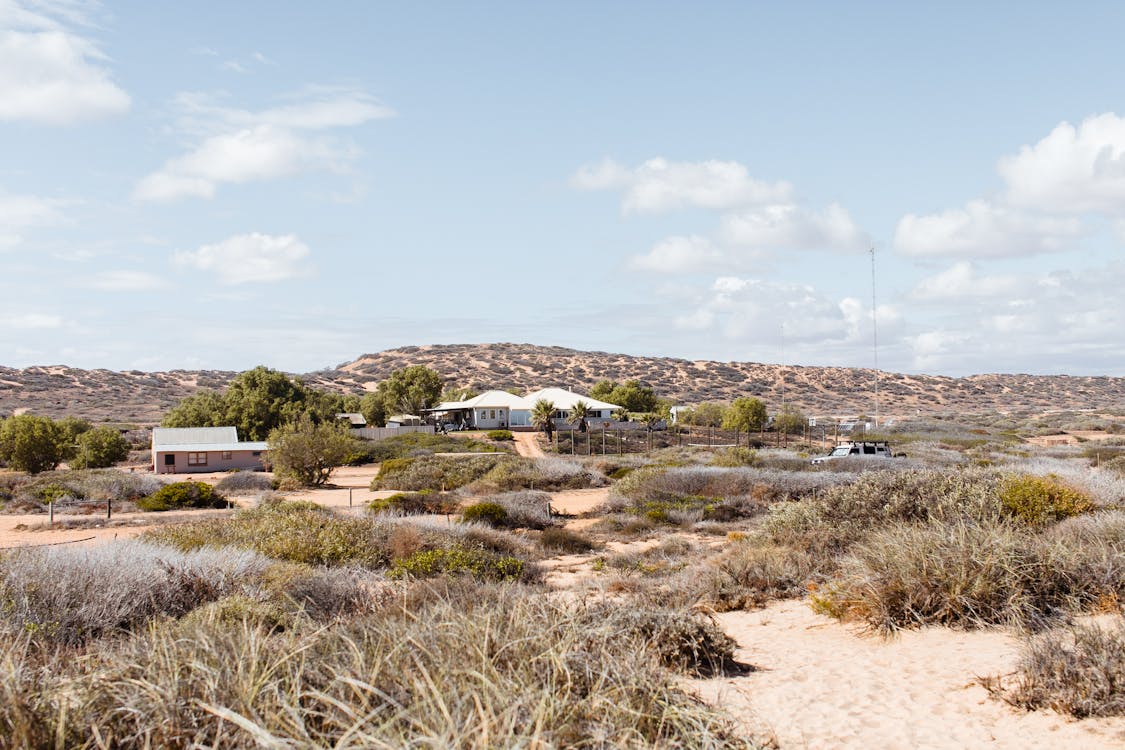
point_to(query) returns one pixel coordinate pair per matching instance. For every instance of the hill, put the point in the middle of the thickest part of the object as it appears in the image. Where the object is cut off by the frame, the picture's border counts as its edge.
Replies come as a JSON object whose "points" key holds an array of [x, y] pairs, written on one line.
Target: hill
{"points": [[142, 397]]}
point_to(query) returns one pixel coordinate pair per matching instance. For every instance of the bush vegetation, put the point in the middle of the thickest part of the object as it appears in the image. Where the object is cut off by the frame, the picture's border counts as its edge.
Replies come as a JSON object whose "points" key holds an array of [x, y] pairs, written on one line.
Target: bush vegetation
{"points": [[483, 474], [244, 482], [31, 493], [422, 444], [178, 495], [424, 502], [307, 452], [442, 665], [499, 435]]}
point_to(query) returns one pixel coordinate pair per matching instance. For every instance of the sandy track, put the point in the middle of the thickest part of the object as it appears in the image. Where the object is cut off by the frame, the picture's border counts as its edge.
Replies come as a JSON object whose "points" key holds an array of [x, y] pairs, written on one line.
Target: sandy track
{"points": [[577, 502], [821, 684], [527, 444]]}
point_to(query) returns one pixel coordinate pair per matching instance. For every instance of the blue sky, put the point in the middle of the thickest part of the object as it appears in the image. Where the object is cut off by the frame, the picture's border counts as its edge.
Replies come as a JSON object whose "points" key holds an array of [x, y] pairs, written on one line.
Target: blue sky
{"points": [[219, 185]]}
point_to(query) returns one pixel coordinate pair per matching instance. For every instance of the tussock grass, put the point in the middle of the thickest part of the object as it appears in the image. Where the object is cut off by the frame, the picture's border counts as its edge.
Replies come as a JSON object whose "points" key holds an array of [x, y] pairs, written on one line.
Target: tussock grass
{"points": [[68, 595], [310, 534], [469, 666], [485, 474], [244, 483], [26, 493], [557, 539], [1078, 671], [423, 444]]}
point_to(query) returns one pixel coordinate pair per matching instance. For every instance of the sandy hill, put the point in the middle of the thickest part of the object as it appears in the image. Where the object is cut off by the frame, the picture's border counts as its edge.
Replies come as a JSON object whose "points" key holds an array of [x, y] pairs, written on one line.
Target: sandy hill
{"points": [[136, 396]]}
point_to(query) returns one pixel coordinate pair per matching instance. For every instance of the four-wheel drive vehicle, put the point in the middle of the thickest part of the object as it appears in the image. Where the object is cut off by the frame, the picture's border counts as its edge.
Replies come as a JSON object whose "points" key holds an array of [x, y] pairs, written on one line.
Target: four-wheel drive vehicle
{"points": [[880, 448]]}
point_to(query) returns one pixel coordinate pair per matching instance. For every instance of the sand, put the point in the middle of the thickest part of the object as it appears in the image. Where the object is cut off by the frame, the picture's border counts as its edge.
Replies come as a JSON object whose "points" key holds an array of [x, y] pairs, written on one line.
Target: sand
{"points": [[821, 684]]}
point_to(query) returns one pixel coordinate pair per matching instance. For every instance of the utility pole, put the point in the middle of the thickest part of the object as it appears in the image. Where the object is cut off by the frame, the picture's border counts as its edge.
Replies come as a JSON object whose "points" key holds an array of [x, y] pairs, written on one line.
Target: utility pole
{"points": [[875, 335]]}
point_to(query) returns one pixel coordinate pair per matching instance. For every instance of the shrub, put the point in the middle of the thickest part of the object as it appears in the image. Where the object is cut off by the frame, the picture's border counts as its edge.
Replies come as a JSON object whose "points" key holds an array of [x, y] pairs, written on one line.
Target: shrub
{"points": [[490, 513], [499, 435], [310, 534], [525, 509], [518, 473], [432, 472], [445, 667], [309, 452], [421, 443], [68, 595], [960, 574], [564, 540], [478, 563], [182, 495], [748, 575], [424, 502], [682, 641], [1041, 500], [1079, 671], [99, 448], [239, 482]]}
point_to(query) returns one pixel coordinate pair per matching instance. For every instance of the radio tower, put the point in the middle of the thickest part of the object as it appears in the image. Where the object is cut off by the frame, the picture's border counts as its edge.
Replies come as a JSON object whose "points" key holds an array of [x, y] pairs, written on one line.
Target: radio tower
{"points": [[875, 336]]}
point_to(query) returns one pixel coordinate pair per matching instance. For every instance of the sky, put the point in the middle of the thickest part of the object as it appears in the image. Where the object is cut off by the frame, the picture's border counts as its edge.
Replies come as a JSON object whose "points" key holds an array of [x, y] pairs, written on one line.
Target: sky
{"points": [[221, 185]]}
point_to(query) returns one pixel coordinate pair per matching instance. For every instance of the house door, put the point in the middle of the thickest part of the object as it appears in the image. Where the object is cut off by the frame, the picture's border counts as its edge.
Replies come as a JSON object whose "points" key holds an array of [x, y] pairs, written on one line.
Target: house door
{"points": [[169, 463]]}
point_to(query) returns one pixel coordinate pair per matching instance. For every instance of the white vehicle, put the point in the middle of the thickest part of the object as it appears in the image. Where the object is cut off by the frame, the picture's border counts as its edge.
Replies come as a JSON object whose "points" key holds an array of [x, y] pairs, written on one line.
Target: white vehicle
{"points": [[878, 448]]}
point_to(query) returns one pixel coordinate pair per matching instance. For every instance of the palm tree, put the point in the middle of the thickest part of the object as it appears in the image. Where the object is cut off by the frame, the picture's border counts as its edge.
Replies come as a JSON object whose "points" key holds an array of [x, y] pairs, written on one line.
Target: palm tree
{"points": [[578, 415], [621, 415], [543, 416]]}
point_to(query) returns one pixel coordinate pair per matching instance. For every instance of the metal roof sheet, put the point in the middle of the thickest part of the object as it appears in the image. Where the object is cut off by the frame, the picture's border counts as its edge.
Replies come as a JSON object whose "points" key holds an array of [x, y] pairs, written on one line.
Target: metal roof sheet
{"points": [[209, 447], [193, 435]]}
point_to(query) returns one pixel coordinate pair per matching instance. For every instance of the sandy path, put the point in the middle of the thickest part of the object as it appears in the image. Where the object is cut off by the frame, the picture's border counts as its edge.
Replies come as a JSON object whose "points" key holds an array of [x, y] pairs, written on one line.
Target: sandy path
{"points": [[576, 502], [527, 445], [821, 684]]}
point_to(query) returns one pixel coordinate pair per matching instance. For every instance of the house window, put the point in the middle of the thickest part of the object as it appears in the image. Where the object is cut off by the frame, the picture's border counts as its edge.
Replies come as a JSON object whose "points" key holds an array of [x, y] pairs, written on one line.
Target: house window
{"points": [[256, 454], [227, 455], [484, 414], [196, 459], [492, 414]]}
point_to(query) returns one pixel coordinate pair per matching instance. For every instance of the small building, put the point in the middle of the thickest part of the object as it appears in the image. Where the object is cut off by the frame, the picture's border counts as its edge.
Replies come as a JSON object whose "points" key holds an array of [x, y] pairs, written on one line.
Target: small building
{"points": [[597, 412], [489, 411], [188, 450], [403, 420], [355, 420]]}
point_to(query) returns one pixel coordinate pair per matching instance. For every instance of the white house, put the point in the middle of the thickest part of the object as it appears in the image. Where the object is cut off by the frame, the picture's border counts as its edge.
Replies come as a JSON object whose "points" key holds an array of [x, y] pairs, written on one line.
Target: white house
{"points": [[490, 410], [597, 412], [501, 410], [186, 450]]}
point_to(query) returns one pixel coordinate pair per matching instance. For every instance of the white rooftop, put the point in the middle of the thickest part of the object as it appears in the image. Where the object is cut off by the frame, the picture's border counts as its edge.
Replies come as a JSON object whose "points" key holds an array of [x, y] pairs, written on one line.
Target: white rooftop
{"points": [[201, 439], [565, 400]]}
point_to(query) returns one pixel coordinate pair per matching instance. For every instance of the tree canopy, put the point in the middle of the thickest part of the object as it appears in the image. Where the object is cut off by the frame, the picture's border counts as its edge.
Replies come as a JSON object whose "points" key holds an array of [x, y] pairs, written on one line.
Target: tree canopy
{"points": [[790, 419], [308, 452], [543, 416], [634, 395], [256, 402], [746, 414], [99, 448], [410, 390], [32, 444]]}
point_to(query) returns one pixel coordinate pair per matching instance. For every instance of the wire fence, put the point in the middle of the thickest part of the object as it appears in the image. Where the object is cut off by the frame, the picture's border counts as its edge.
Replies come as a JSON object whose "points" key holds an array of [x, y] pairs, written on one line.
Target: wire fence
{"points": [[604, 442]]}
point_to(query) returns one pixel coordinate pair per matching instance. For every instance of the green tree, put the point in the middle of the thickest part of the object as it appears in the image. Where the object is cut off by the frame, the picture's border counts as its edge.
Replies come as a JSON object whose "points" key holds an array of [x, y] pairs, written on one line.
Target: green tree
{"points": [[790, 420], [371, 407], [543, 416], [260, 400], [578, 414], [202, 409], [30, 443], [602, 390], [410, 390], [634, 396], [307, 451], [746, 414], [706, 415], [99, 448], [70, 430]]}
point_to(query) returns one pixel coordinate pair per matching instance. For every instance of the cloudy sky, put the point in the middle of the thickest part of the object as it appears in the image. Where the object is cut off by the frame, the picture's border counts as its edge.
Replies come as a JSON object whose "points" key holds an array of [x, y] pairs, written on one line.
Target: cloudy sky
{"points": [[221, 185]]}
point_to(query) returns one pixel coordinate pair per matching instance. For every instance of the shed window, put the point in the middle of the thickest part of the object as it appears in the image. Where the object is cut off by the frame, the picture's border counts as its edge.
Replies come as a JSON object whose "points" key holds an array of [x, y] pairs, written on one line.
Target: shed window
{"points": [[196, 459], [227, 455]]}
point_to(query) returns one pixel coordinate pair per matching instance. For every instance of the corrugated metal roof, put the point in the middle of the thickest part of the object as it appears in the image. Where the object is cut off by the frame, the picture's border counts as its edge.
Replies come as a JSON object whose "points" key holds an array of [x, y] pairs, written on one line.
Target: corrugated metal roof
{"points": [[488, 399], [565, 400], [193, 435], [209, 447]]}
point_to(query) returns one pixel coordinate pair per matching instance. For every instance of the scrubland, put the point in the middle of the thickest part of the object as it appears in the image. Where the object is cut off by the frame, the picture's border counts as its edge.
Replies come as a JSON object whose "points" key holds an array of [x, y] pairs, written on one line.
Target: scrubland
{"points": [[468, 609]]}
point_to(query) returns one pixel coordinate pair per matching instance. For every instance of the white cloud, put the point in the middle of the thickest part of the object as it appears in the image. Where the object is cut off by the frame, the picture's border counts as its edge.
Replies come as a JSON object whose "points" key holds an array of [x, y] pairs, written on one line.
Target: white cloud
{"points": [[961, 281], [19, 212], [125, 281], [791, 227], [1072, 169], [981, 230], [49, 72], [660, 185], [30, 321], [249, 258], [678, 255], [238, 146]]}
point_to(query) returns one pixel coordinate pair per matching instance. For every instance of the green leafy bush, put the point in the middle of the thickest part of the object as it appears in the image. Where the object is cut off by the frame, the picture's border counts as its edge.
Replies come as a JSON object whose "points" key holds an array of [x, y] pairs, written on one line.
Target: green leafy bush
{"points": [[472, 561], [489, 513], [1042, 500], [499, 435], [182, 495]]}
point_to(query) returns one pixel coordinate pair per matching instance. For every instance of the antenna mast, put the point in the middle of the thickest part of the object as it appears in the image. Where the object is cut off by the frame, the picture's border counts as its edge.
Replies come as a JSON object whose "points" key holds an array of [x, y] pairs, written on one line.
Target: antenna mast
{"points": [[875, 335]]}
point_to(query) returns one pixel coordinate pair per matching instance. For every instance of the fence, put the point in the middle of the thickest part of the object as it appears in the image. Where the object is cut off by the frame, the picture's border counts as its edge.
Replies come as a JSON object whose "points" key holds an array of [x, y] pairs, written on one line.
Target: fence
{"points": [[637, 439], [382, 433]]}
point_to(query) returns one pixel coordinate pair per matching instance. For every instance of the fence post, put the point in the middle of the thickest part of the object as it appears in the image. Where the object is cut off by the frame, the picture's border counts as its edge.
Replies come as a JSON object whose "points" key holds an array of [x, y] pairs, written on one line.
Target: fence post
{"points": [[51, 510], [349, 497], [108, 509]]}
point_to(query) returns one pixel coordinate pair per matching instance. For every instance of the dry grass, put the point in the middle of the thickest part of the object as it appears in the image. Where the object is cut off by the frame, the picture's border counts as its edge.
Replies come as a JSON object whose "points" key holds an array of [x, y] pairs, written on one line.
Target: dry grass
{"points": [[465, 666]]}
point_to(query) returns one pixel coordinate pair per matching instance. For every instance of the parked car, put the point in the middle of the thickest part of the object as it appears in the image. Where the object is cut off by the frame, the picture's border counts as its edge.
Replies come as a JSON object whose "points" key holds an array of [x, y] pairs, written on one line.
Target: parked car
{"points": [[876, 448]]}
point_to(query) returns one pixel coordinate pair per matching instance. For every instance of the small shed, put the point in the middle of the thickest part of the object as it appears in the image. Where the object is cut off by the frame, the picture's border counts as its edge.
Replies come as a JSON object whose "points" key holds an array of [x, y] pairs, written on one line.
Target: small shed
{"points": [[196, 450]]}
